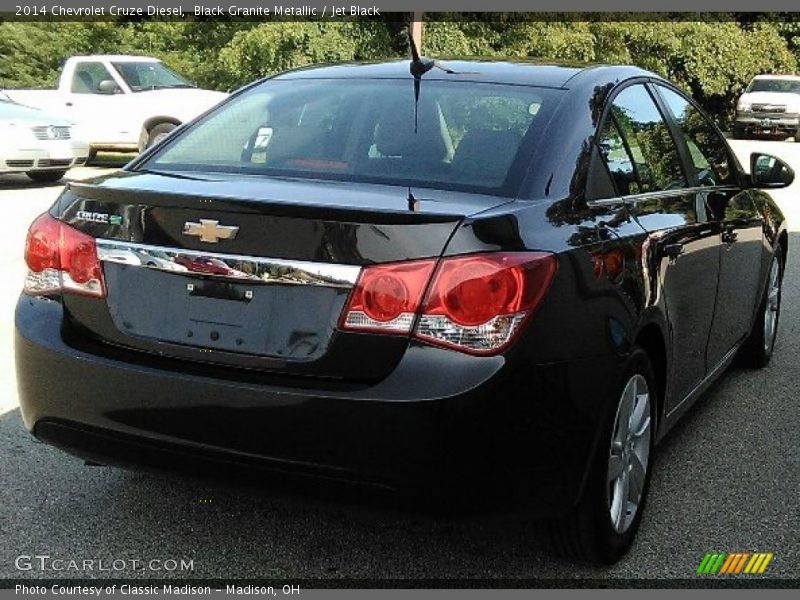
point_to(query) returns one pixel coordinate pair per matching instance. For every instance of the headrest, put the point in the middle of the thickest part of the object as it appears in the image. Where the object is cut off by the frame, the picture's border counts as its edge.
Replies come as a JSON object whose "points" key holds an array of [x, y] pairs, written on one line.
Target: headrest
{"points": [[394, 133], [485, 155]]}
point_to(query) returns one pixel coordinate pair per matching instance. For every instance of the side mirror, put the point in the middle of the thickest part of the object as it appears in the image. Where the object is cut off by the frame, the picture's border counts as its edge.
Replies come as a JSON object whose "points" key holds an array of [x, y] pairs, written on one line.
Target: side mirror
{"points": [[108, 86], [768, 171]]}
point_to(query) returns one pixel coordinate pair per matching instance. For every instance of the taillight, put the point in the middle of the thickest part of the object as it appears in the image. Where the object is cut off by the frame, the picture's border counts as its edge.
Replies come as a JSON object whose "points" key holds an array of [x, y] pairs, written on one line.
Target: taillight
{"points": [[475, 303], [61, 258], [386, 297]]}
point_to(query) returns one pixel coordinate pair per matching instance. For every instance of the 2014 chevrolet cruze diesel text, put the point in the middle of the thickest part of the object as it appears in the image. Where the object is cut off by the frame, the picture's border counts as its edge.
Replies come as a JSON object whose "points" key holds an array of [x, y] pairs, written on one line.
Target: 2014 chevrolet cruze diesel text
{"points": [[499, 276]]}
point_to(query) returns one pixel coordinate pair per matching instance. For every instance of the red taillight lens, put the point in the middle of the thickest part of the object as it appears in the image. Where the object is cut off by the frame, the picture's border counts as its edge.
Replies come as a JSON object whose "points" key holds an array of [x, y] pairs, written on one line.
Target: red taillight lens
{"points": [[80, 266], [386, 297], [472, 290], [41, 246], [61, 258], [476, 303]]}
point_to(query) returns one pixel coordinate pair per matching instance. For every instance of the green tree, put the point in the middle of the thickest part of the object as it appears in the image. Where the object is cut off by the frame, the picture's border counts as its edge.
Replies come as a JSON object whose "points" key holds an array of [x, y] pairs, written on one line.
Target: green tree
{"points": [[269, 48]]}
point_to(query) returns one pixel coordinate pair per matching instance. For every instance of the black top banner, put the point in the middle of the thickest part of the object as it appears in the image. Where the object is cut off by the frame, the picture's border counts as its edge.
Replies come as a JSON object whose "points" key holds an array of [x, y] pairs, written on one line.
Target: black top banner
{"points": [[352, 8]]}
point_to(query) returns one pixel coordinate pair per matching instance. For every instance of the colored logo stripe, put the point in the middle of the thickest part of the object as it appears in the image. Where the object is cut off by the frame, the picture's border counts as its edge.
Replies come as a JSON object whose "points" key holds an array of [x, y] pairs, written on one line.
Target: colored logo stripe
{"points": [[758, 563], [734, 563], [711, 562], [726, 566]]}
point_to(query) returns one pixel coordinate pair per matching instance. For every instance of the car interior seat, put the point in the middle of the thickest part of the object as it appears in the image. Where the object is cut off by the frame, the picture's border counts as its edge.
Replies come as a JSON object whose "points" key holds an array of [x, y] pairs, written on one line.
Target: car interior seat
{"points": [[484, 157]]}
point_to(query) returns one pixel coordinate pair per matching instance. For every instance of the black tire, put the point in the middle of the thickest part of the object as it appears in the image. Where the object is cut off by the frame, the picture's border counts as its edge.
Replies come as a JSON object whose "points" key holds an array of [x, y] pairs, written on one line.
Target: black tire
{"points": [[757, 349], [158, 133], [46, 176], [92, 156], [738, 133], [588, 534]]}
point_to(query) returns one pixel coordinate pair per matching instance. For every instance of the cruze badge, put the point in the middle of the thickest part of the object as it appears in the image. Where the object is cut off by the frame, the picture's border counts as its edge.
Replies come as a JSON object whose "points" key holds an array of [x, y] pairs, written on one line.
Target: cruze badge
{"points": [[210, 231], [98, 217]]}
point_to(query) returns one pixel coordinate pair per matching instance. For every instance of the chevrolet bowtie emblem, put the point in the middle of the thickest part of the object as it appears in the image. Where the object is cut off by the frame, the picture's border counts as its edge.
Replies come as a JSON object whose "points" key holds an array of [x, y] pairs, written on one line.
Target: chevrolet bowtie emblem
{"points": [[210, 231]]}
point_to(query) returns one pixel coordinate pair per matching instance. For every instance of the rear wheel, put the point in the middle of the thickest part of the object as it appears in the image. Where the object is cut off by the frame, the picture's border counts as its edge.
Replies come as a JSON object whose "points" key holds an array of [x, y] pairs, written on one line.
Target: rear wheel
{"points": [[46, 176], [756, 352], [602, 527], [738, 133]]}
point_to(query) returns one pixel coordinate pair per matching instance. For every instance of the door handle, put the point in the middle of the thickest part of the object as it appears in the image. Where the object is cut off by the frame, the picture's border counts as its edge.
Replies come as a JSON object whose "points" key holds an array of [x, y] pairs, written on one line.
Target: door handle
{"points": [[673, 251], [68, 103], [729, 236]]}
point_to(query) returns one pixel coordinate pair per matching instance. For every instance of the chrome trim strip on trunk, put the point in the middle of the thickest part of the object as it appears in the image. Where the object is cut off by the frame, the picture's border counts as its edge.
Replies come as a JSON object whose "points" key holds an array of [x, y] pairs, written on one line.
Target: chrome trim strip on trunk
{"points": [[232, 267]]}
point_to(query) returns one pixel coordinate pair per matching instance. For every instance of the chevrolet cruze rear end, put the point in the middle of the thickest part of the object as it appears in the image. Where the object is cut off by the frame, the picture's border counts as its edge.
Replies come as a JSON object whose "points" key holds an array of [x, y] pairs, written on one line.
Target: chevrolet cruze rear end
{"points": [[354, 274]]}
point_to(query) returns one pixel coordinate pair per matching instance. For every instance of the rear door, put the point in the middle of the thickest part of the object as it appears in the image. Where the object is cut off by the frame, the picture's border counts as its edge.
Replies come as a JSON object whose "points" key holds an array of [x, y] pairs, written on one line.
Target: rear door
{"points": [[647, 169], [738, 222]]}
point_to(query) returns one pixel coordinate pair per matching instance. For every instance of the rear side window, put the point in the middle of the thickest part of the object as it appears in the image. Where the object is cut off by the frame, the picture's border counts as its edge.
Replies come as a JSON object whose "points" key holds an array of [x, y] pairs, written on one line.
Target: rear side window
{"points": [[457, 135], [637, 146], [707, 150]]}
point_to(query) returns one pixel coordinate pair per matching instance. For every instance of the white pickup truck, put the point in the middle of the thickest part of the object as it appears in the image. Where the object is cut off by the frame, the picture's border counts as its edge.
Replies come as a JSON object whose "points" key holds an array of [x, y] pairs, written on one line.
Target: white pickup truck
{"points": [[121, 103], [769, 107]]}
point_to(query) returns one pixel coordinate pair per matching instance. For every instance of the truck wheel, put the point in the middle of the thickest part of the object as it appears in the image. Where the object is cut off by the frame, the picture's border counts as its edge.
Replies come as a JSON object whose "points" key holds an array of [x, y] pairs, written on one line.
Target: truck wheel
{"points": [[46, 176], [738, 133], [159, 133]]}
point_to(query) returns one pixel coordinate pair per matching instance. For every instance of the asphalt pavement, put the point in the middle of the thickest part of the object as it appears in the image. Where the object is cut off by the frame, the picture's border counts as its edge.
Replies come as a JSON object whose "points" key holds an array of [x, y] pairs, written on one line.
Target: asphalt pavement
{"points": [[726, 479]]}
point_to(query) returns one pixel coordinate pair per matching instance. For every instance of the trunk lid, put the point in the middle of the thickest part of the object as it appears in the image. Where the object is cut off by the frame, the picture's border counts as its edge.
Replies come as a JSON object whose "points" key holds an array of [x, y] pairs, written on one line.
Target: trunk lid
{"points": [[249, 273]]}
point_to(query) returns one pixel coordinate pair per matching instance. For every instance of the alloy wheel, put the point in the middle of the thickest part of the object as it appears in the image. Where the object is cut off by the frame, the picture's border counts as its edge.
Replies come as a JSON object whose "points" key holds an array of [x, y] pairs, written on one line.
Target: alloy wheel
{"points": [[773, 305], [629, 454]]}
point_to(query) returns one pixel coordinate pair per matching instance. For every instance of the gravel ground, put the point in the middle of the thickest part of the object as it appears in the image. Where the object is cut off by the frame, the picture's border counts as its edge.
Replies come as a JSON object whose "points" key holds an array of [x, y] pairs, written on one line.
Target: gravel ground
{"points": [[726, 479]]}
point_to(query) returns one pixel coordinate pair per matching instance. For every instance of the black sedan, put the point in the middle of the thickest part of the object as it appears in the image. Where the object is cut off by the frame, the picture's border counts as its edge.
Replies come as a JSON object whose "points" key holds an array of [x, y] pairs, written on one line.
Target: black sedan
{"points": [[482, 279]]}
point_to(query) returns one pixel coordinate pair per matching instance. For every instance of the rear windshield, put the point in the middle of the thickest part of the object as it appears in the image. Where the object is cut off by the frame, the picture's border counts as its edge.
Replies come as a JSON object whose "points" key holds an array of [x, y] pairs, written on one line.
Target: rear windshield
{"points": [[774, 85], [457, 135]]}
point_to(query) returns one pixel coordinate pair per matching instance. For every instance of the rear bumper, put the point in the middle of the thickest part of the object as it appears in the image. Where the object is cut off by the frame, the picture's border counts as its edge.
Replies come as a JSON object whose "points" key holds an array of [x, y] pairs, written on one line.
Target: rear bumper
{"points": [[443, 423]]}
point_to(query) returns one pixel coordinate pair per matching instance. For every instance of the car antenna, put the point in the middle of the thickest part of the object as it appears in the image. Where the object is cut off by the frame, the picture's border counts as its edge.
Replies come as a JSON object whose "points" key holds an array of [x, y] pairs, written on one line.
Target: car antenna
{"points": [[413, 203], [419, 66]]}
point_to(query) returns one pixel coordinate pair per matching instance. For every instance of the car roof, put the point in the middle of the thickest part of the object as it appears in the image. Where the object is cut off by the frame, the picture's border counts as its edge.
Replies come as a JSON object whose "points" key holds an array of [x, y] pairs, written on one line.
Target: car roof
{"points": [[776, 76], [116, 57], [516, 72]]}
